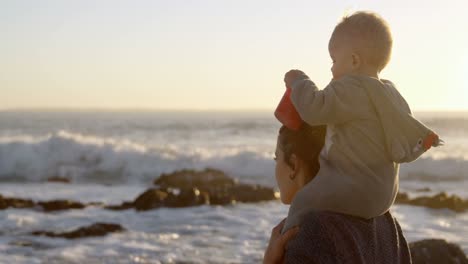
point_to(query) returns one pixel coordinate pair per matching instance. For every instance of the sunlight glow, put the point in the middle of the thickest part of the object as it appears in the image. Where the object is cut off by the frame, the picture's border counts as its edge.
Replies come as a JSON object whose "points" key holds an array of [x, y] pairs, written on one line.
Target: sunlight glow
{"points": [[212, 54]]}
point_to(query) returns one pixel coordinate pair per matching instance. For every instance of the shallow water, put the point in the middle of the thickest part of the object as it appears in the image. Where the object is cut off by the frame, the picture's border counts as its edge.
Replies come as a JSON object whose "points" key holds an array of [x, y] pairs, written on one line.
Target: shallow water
{"points": [[205, 234]]}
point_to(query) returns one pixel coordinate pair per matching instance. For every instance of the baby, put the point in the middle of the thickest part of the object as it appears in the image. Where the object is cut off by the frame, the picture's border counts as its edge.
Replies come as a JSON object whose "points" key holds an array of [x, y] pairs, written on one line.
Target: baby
{"points": [[370, 129]]}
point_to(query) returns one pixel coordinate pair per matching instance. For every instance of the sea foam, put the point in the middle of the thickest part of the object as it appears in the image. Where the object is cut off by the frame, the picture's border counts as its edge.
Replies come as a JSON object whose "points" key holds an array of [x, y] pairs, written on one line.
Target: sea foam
{"points": [[94, 159], [85, 158]]}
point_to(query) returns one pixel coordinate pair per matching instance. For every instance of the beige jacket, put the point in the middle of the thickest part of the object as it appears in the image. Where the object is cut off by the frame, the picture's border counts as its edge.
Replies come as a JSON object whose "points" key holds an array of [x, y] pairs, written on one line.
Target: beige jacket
{"points": [[370, 130]]}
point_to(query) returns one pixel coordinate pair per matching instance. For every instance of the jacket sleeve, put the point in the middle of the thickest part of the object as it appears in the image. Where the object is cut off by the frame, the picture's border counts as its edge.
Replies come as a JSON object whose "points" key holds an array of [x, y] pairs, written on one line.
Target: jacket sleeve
{"points": [[339, 102]]}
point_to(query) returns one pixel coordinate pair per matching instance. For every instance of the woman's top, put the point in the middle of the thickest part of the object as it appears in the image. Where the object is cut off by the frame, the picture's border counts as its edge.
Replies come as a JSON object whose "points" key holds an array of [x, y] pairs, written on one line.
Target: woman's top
{"points": [[327, 237]]}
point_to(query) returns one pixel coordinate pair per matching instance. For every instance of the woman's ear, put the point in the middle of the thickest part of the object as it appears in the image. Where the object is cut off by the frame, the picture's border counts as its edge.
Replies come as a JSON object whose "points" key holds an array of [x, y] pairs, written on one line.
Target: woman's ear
{"points": [[295, 163]]}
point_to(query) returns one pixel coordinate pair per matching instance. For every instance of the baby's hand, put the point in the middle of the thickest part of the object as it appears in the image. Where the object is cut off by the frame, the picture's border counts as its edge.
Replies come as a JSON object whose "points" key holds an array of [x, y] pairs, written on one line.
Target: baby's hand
{"points": [[291, 76]]}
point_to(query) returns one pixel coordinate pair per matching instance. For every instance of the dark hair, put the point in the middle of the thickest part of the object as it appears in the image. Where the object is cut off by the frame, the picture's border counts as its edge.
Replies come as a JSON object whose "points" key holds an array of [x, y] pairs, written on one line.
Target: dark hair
{"points": [[306, 143]]}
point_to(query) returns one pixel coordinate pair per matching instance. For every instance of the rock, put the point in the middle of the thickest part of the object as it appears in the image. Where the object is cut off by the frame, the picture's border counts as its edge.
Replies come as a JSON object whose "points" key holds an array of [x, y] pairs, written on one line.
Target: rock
{"points": [[216, 186], [202, 180], [123, 206], [425, 189], [436, 251], [155, 198], [252, 193], [47, 206], [58, 179], [221, 197], [97, 229], [57, 205], [440, 200], [150, 199], [186, 198], [180, 189], [402, 198], [6, 202], [186, 188]]}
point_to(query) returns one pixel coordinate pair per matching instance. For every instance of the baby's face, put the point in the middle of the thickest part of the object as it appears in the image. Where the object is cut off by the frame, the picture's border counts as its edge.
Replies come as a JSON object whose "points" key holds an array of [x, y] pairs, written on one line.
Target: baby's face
{"points": [[342, 59]]}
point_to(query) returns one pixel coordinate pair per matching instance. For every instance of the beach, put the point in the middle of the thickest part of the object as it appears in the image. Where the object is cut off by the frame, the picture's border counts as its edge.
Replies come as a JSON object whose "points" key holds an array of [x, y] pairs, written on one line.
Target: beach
{"points": [[113, 156]]}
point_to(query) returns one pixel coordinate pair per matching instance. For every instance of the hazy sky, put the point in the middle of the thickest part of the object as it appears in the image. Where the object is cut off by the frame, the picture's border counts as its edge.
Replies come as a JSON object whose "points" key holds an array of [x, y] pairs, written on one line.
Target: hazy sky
{"points": [[214, 54]]}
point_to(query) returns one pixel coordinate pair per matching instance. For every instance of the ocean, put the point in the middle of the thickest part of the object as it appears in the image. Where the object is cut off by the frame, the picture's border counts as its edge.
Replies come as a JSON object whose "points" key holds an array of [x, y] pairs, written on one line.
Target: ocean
{"points": [[111, 157]]}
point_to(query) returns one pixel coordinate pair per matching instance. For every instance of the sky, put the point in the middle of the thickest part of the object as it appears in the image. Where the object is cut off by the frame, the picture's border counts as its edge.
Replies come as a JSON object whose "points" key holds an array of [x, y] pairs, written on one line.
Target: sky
{"points": [[213, 54]]}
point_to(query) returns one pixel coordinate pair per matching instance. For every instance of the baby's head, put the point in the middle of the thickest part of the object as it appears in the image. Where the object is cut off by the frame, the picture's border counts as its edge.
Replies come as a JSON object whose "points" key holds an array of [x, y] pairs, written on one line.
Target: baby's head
{"points": [[360, 44]]}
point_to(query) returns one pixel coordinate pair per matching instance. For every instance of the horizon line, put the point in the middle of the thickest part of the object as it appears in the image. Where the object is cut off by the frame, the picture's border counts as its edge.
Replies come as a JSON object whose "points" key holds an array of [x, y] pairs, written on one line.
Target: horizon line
{"points": [[130, 109], [148, 109]]}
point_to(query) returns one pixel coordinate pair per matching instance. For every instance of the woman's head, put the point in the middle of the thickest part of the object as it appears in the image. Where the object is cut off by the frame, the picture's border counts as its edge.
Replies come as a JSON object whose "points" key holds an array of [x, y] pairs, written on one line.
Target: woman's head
{"points": [[296, 158]]}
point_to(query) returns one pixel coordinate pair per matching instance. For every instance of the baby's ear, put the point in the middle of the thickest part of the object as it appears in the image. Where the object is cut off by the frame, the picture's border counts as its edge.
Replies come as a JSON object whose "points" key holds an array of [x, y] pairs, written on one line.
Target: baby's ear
{"points": [[356, 60]]}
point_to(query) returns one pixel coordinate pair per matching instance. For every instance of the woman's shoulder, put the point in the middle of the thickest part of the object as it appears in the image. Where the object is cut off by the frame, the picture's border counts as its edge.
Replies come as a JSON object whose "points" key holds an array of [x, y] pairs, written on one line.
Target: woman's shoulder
{"points": [[328, 237], [343, 229], [314, 243]]}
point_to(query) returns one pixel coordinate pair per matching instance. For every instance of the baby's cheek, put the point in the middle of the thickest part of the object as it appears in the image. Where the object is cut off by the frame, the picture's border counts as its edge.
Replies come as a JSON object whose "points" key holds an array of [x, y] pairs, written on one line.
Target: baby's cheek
{"points": [[334, 72]]}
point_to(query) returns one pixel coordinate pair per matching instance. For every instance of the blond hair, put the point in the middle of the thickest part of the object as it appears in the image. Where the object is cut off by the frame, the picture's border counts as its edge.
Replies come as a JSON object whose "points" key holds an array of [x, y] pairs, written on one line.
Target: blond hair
{"points": [[369, 35]]}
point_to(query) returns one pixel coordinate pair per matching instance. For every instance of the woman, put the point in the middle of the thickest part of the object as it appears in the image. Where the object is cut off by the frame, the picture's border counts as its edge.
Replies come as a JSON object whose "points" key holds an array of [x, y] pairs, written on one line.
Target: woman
{"points": [[326, 237]]}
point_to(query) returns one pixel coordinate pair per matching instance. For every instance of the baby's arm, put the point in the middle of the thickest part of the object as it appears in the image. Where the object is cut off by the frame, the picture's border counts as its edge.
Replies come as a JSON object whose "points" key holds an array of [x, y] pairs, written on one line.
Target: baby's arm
{"points": [[337, 103]]}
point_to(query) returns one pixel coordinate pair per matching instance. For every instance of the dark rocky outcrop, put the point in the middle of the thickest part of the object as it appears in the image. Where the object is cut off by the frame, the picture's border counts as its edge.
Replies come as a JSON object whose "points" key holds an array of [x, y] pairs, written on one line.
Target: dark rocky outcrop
{"points": [[438, 201], [182, 188], [220, 188], [214, 187], [425, 189], [186, 197], [122, 206], [155, 198], [436, 251], [247, 193], [192, 188], [174, 198], [6, 202], [97, 229], [47, 206], [203, 180], [58, 179], [57, 205]]}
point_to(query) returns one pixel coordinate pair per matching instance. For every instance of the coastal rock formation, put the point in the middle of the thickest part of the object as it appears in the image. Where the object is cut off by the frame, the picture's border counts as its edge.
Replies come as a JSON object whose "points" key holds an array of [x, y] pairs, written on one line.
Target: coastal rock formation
{"points": [[47, 206], [220, 188], [122, 206], [192, 188], [57, 205], [6, 202], [155, 198], [150, 199], [97, 229], [247, 193], [440, 200], [436, 251], [58, 179], [203, 180]]}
